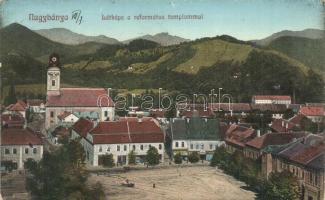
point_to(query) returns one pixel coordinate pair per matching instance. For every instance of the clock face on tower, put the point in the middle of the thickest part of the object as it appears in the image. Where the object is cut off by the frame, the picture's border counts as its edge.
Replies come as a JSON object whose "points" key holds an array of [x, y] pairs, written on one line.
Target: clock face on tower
{"points": [[54, 60]]}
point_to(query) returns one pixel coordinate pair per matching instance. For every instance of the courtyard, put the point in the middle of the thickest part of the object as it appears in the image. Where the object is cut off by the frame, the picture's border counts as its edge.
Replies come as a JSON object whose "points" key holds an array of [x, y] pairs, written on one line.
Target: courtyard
{"points": [[187, 182]]}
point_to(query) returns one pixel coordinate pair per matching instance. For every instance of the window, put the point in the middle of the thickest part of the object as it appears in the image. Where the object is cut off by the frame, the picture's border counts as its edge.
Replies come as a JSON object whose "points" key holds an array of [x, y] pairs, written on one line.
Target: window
{"points": [[26, 150], [133, 147], [176, 145], [53, 82], [160, 146], [210, 146], [14, 151], [7, 151], [52, 114], [106, 113], [118, 147], [202, 146], [310, 177], [182, 144], [197, 146], [141, 147], [191, 146], [100, 149], [108, 148], [125, 147], [34, 151], [149, 146]]}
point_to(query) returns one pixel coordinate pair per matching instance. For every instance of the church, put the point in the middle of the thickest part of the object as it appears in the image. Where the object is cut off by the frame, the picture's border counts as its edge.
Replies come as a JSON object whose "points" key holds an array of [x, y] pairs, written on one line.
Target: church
{"points": [[60, 100]]}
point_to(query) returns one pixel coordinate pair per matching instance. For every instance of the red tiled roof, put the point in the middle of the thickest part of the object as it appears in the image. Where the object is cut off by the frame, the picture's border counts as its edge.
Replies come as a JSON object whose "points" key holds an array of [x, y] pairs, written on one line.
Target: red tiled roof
{"points": [[135, 119], [308, 154], [12, 120], [235, 107], [271, 97], [82, 97], [312, 111], [118, 132], [239, 135], [35, 102], [273, 139], [17, 107], [83, 126], [293, 122], [199, 113], [19, 137]]}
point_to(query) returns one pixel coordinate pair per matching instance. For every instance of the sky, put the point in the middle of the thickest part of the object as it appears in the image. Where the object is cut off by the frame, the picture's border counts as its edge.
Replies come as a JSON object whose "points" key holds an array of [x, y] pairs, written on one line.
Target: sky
{"points": [[243, 19]]}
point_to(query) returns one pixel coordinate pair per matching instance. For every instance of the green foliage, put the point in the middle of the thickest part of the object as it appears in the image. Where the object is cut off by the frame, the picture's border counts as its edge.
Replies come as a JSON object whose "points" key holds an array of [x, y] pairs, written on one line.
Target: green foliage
{"points": [[308, 125], [131, 157], [178, 158], [61, 175], [141, 44], [107, 160], [194, 157], [281, 186], [236, 66], [237, 165], [11, 98], [152, 156], [288, 113], [308, 51]]}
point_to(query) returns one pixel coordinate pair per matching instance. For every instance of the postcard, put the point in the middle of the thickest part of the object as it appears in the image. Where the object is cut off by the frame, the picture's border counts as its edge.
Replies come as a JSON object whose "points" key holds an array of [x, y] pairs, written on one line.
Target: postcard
{"points": [[162, 99]]}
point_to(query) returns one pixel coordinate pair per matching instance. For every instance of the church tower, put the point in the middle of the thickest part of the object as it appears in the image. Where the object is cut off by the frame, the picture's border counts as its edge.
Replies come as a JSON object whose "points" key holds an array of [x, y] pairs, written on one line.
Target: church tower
{"points": [[53, 75]]}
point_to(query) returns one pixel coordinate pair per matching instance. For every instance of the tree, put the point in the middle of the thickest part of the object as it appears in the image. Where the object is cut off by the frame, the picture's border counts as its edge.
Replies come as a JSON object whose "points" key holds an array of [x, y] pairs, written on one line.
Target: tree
{"points": [[308, 125], [281, 186], [107, 160], [131, 157], [194, 157], [152, 156], [178, 158], [61, 174], [288, 113], [219, 156], [11, 98]]}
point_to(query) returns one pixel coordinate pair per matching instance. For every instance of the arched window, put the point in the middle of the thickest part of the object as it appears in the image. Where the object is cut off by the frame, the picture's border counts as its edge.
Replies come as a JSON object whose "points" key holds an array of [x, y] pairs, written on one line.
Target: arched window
{"points": [[141, 147], [176, 144], [160, 146]]}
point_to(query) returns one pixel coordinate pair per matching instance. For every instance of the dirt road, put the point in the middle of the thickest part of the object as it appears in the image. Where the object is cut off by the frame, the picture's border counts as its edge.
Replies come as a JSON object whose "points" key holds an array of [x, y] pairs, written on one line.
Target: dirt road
{"points": [[200, 182]]}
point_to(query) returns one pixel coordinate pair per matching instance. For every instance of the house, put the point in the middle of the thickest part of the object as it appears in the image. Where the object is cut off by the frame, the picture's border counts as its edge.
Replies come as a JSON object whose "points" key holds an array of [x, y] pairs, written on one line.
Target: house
{"points": [[271, 99], [19, 107], [283, 125], [59, 134], [277, 110], [304, 158], [315, 113], [237, 136], [67, 118], [237, 109], [17, 145], [36, 105], [119, 138], [12, 121], [73, 100], [254, 148], [195, 134]]}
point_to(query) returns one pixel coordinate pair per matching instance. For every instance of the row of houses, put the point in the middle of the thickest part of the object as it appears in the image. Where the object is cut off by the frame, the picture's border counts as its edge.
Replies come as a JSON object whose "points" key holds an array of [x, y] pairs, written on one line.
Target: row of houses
{"points": [[301, 153]]}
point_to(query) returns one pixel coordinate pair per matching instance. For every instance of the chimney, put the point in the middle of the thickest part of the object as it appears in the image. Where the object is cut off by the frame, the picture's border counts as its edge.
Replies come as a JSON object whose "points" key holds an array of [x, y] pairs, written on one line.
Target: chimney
{"points": [[258, 133], [287, 126], [188, 120], [206, 120], [108, 91], [282, 124]]}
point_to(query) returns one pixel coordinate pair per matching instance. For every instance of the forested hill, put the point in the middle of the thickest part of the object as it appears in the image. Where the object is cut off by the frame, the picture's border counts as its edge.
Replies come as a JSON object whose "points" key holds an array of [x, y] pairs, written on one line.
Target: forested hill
{"points": [[196, 66]]}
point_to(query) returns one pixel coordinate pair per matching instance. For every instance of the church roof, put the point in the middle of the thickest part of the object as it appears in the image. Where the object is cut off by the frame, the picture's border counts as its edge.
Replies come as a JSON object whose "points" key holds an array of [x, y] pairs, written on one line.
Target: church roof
{"points": [[80, 97]]}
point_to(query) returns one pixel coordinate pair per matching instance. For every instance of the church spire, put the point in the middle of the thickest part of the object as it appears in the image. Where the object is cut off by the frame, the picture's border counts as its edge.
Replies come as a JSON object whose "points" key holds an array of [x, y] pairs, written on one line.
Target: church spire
{"points": [[53, 75]]}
